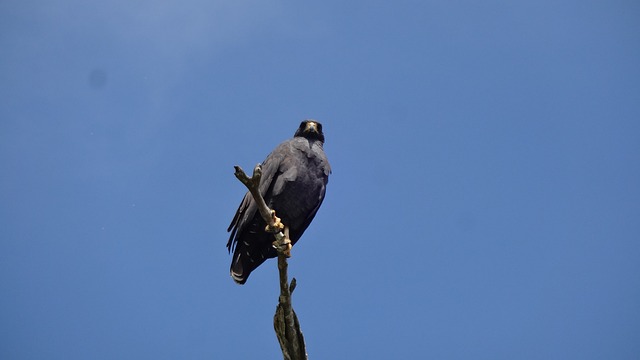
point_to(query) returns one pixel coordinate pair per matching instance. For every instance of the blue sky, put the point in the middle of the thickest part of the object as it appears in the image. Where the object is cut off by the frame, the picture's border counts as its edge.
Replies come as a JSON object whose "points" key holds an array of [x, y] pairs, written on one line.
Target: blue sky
{"points": [[484, 201]]}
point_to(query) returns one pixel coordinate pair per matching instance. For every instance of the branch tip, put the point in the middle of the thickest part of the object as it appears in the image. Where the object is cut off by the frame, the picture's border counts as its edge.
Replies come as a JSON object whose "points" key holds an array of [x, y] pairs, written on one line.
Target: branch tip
{"points": [[293, 285]]}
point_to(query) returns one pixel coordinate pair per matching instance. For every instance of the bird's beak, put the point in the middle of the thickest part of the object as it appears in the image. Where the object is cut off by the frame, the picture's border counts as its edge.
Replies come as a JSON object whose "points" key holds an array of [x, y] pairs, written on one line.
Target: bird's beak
{"points": [[311, 127]]}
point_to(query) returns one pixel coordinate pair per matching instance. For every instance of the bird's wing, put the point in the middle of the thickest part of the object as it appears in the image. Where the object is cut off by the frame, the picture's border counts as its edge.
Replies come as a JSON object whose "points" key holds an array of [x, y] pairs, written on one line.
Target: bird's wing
{"points": [[247, 209]]}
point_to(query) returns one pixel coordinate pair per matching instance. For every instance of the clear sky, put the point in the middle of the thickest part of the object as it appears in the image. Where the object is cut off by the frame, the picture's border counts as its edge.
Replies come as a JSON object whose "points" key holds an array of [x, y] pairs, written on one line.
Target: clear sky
{"points": [[484, 201]]}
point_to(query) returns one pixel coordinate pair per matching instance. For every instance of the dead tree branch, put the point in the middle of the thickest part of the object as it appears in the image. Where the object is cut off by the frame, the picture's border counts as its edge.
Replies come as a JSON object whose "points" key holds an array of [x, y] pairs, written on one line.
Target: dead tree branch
{"points": [[285, 321]]}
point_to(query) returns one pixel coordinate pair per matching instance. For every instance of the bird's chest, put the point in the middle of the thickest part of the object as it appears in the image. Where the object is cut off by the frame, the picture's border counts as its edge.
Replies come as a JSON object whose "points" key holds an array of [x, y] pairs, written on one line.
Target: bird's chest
{"points": [[298, 188]]}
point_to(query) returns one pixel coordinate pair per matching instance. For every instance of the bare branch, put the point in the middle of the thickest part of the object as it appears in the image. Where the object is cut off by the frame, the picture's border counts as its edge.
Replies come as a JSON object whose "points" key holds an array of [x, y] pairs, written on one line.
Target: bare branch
{"points": [[285, 321]]}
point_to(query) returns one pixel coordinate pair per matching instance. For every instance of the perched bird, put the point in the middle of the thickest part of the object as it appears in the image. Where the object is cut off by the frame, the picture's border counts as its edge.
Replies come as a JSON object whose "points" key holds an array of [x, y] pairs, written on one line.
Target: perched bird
{"points": [[293, 183]]}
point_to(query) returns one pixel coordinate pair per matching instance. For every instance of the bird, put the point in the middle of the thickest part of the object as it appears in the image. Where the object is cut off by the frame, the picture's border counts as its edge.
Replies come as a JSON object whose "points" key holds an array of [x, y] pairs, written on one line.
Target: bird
{"points": [[293, 184]]}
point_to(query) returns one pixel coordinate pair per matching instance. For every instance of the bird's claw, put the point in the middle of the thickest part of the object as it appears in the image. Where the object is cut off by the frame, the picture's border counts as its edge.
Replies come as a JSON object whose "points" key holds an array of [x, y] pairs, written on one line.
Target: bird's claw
{"points": [[277, 224], [284, 246]]}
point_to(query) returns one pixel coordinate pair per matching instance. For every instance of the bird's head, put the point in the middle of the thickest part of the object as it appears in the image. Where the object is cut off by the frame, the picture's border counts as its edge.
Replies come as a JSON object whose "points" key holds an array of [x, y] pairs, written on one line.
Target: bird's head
{"points": [[311, 130]]}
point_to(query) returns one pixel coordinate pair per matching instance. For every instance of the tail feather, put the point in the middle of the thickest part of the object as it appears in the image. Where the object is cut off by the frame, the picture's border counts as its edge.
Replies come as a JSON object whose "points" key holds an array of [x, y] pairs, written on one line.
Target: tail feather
{"points": [[237, 271], [247, 258]]}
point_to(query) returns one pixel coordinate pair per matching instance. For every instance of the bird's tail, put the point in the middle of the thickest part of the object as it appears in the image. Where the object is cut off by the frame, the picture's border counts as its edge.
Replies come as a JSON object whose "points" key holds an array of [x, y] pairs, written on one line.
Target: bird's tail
{"points": [[246, 259]]}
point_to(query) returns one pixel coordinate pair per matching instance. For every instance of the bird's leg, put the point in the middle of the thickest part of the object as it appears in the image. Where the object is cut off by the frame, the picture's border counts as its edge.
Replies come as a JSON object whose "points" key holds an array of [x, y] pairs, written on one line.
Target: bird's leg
{"points": [[276, 226], [284, 244]]}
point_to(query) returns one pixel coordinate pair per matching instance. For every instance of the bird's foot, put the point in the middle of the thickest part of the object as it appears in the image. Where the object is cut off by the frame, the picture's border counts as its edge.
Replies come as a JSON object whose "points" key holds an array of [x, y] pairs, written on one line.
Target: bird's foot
{"points": [[277, 224], [283, 246]]}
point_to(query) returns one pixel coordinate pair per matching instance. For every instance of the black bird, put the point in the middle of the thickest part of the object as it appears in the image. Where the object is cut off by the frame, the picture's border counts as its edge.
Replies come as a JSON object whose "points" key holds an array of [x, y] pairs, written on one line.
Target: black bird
{"points": [[294, 178]]}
